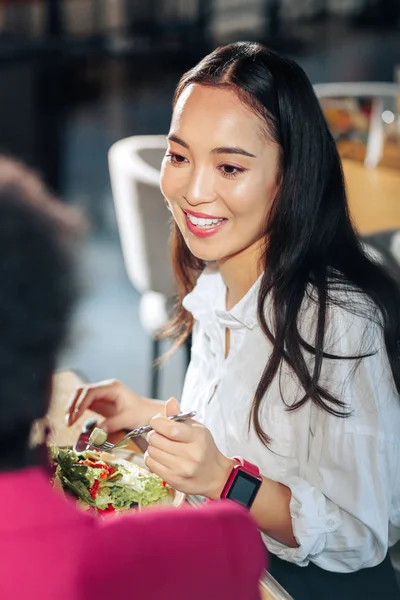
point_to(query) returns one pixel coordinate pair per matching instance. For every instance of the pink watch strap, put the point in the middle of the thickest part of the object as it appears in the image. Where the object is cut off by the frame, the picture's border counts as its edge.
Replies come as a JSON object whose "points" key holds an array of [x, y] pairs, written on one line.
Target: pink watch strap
{"points": [[242, 464], [252, 469]]}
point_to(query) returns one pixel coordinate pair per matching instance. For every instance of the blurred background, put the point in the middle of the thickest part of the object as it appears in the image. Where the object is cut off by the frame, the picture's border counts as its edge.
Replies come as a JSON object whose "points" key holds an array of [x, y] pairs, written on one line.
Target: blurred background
{"points": [[77, 76]]}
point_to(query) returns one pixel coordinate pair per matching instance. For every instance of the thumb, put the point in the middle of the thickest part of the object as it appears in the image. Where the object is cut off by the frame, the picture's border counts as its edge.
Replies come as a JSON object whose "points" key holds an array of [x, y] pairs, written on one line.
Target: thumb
{"points": [[112, 424], [172, 408]]}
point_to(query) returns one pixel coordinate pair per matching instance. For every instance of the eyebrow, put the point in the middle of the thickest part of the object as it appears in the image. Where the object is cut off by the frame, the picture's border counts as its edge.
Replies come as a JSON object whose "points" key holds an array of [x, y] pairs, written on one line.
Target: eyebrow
{"points": [[222, 150]]}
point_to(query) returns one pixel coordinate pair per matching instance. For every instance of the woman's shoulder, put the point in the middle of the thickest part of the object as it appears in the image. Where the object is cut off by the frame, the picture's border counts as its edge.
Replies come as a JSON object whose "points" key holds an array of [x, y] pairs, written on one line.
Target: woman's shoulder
{"points": [[351, 315], [344, 301], [356, 365]]}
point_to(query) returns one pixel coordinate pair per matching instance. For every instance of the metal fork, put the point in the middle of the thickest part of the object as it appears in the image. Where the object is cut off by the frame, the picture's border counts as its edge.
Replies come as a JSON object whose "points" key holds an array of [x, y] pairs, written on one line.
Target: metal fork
{"points": [[108, 447]]}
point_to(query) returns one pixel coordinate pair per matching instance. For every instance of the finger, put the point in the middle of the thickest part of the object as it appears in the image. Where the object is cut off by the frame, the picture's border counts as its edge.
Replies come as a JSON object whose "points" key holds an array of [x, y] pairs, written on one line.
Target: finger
{"points": [[165, 444], [178, 432], [163, 458], [101, 407], [113, 424], [172, 408], [86, 395], [157, 468], [72, 404], [73, 399], [165, 466]]}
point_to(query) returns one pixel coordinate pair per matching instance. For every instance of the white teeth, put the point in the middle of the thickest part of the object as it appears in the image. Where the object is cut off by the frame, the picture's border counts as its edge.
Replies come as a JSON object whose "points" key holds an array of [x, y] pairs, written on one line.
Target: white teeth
{"points": [[200, 222]]}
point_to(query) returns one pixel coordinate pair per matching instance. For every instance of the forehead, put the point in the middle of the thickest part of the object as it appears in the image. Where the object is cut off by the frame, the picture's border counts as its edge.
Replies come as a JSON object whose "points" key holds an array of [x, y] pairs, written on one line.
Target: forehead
{"points": [[216, 113]]}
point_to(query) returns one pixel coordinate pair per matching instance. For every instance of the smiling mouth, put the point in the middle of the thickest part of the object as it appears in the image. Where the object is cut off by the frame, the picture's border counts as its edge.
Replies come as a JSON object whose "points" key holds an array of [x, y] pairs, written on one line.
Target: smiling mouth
{"points": [[204, 223]]}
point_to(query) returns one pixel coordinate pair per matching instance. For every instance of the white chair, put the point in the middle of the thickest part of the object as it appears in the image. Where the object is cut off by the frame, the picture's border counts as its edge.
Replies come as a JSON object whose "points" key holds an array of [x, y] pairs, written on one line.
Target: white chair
{"points": [[144, 224]]}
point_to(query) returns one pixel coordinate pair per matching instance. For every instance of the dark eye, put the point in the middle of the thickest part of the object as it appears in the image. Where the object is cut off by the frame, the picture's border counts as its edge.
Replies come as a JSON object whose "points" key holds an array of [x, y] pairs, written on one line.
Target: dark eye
{"points": [[175, 158], [230, 171]]}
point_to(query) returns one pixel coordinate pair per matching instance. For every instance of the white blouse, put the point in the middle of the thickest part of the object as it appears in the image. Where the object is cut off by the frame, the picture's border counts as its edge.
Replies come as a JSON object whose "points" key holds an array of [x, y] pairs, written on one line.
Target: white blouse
{"points": [[344, 473]]}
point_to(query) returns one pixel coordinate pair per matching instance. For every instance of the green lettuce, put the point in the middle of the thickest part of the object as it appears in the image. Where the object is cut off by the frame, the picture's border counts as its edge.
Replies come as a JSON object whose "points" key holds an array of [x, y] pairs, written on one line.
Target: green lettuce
{"points": [[124, 489]]}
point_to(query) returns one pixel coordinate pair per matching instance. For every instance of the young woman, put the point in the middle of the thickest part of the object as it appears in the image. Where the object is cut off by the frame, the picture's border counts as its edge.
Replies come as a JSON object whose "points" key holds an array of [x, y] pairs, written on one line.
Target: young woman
{"points": [[295, 355]]}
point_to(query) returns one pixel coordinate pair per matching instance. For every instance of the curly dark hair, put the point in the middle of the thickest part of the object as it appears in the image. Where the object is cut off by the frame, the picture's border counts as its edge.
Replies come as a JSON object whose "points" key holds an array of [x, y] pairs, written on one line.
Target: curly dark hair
{"points": [[38, 289]]}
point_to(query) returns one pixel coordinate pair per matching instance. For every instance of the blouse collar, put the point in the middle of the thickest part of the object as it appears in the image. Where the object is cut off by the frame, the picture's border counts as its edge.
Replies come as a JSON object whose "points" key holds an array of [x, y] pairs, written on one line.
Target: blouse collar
{"points": [[208, 298]]}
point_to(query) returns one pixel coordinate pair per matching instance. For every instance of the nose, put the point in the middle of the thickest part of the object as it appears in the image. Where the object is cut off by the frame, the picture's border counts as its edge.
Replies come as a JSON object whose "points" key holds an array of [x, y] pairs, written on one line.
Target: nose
{"points": [[200, 188]]}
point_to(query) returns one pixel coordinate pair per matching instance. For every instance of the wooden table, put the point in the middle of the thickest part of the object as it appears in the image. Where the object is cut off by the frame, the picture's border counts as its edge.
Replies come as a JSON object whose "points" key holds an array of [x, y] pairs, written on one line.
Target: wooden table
{"points": [[374, 196], [64, 383]]}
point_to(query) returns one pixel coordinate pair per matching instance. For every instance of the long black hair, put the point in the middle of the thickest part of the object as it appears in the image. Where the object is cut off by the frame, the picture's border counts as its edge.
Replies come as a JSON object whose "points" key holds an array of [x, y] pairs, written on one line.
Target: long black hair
{"points": [[309, 235]]}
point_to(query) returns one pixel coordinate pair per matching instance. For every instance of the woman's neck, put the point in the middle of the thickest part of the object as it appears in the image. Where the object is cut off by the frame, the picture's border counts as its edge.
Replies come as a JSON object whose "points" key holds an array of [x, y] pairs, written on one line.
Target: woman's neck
{"points": [[240, 271]]}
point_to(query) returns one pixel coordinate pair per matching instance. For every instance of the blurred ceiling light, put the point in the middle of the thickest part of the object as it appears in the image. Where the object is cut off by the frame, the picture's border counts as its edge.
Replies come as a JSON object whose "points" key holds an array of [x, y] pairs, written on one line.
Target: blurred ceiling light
{"points": [[387, 116]]}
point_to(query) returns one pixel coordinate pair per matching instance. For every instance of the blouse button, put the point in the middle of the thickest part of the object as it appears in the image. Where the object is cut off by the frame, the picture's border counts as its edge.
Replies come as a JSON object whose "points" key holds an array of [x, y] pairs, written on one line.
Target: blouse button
{"points": [[330, 525]]}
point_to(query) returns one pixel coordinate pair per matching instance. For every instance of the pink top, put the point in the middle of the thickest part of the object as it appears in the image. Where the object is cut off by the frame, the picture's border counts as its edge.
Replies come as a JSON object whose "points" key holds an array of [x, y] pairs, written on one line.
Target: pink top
{"points": [[50, 550]]}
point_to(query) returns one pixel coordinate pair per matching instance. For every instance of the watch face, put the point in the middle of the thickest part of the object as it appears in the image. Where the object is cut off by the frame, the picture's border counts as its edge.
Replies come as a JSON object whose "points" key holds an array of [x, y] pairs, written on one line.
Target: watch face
{"points": [[244, 488]]}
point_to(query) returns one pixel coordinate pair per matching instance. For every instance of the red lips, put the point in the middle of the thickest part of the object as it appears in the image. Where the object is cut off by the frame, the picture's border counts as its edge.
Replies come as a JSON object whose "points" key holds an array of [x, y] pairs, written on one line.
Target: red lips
{"points": [[203, 232]]}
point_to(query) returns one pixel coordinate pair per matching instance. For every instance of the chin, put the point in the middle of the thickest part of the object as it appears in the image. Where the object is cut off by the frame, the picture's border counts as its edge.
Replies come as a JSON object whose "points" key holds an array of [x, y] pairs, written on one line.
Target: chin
{"points": [[206, 254]]}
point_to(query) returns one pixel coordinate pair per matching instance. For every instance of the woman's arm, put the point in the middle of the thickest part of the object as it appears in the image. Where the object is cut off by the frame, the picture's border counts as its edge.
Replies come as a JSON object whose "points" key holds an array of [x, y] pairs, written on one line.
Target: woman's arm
{"points": [[270, 509], [185, 455], [348, 491], [121, 407], [338, 513], [336, 510]]}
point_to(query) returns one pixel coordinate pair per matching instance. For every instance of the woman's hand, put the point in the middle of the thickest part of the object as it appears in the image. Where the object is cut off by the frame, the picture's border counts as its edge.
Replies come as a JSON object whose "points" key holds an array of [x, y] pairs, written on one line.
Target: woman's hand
{"points": [[121, 407], [185, 455]]}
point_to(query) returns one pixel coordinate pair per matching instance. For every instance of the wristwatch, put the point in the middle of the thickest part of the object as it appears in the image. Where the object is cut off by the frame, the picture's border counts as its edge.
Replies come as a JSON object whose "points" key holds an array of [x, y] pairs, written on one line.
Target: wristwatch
{"points": [[243, 483]]}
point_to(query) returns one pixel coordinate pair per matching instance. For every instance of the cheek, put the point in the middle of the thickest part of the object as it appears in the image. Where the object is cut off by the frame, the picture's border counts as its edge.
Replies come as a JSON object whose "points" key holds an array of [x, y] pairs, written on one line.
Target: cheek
{"points": [[170, 191], [252, 199], [165, 182], [171, 183]]}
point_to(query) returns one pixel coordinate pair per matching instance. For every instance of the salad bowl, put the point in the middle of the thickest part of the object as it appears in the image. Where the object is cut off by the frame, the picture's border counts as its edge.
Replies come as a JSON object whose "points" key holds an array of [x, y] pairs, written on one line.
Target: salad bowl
{"points": [[108, 483]]}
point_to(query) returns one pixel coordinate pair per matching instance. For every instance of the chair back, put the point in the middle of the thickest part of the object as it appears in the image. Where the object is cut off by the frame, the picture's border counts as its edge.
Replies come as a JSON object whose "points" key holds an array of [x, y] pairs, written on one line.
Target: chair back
{"points": [[142, 217]]}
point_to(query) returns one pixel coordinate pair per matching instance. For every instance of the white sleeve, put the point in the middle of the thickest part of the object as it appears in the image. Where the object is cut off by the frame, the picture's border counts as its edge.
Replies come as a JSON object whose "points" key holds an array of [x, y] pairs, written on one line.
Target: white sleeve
{"points": [[348, 493]]}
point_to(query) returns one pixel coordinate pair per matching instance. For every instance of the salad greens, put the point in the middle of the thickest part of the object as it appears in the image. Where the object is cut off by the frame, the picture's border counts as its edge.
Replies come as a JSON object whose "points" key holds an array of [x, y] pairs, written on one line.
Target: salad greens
{"points": [[105, 482]]}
